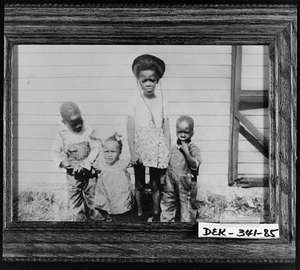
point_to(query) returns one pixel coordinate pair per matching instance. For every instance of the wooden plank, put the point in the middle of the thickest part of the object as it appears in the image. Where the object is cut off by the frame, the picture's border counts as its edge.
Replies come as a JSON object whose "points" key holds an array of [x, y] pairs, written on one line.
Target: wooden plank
{"points": [[255, 102], [104, 131], [253, 169], [273, 103], [234, 123], [248, 182], [55, 120], [253, 140], [253, 99], [259, 136], [128, 49], [256, 112], [23, 166], [110, 71], [285, 132], [124, 58], [93, 108], [120, 108], [45, 144], [255, 72], [7, 131], [208, 156], [101, 247], [259, 59], [200, 120], [251, 51], [255, 84], [294, 126], [254, 93], [118, 95], [252, 157], [40, 84], [30, 179], [199, 27], [277, 133]]}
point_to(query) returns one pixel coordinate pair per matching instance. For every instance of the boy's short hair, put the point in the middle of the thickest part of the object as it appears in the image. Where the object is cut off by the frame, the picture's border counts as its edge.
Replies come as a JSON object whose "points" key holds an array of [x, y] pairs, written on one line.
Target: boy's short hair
{"points": [[186, 118], [69, 109]]}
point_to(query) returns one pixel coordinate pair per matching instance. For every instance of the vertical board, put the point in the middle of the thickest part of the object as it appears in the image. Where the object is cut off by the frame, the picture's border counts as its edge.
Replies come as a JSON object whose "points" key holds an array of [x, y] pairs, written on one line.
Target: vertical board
{"points": [[7, 131], [255, 77], [294, 124], [283, 106], [272, 142], [285, 131], [236, 80]]}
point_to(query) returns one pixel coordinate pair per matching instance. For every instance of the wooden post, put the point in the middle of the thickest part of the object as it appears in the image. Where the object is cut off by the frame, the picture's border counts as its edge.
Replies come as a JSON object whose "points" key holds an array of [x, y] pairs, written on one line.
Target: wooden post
{"points": [[273, 107], [259, 136], [294, 125], [8, 131], [236, 81], [282, 95]]}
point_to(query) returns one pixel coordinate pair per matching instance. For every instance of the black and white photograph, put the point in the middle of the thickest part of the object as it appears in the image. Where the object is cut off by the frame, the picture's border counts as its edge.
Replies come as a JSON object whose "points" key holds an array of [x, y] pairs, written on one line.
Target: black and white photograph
{"points": [[98, 132], [141, 134]]}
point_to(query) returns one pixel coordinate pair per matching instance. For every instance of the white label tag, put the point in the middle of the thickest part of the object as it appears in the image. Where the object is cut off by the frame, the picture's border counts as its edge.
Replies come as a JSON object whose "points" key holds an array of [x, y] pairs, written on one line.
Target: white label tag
{"points": [[246, 231]]}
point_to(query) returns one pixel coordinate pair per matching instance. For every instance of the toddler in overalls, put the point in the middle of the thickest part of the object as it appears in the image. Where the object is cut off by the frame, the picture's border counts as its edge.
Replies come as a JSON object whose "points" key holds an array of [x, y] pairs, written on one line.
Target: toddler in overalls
{"points": [[75, 149], [180, 189]]}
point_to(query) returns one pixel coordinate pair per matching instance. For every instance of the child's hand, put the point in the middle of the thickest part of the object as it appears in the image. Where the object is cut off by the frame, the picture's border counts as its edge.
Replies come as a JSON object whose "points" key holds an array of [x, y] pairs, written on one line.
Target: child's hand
{"points": [[97, 170], [192, 147], [184, 147], [65, 164], [77, 168], [134, 158]]}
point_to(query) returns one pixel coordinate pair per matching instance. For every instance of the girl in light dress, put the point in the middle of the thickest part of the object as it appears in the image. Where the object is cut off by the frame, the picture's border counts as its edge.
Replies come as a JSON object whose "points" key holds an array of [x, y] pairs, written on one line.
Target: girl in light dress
{"points": [[148, 130], [114, 191]]}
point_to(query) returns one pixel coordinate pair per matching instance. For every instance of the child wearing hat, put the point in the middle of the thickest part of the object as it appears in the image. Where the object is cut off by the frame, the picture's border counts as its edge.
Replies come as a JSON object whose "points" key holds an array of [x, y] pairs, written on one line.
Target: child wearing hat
{"points": [[75, 149], [180, 190], [148, 130]]}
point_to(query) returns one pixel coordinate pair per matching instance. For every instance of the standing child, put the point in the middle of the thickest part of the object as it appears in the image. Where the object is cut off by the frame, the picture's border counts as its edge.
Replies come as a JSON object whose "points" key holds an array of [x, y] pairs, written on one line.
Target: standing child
{"points": [[180, 190], [75, 150], [148, 130], [114, 192]]}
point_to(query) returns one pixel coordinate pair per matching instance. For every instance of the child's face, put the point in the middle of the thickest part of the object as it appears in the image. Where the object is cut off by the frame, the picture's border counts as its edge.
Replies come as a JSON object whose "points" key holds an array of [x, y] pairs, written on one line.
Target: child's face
{"points": [[75, 123], [148, 81], [111, 152], [184, 131]]}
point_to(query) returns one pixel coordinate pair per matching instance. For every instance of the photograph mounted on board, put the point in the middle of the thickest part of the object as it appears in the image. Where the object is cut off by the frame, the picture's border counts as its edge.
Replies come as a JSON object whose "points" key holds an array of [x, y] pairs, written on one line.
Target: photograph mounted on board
{"points": [[109, 133]]}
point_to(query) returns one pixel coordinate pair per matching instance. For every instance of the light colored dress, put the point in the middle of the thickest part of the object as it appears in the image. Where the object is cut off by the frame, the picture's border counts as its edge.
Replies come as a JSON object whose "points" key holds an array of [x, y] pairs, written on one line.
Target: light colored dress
{"points": [[114, 191], [149, 140]]}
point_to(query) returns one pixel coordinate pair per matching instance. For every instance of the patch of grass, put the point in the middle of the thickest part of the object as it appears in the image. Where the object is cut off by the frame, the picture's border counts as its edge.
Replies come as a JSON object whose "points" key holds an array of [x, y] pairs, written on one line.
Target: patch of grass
{"points": [[49, 206], [217, 205], [40, 206]]}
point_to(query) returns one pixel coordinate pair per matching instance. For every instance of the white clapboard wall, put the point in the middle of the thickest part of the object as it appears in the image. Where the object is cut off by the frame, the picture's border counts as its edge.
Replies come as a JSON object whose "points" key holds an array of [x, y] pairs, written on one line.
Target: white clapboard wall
{"points": [[255, 76], [197, 82]]}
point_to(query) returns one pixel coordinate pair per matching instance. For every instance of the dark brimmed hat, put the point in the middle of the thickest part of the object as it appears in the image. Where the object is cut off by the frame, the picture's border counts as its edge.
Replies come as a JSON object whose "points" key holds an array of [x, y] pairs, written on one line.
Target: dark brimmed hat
{"points": [[146, 62]]}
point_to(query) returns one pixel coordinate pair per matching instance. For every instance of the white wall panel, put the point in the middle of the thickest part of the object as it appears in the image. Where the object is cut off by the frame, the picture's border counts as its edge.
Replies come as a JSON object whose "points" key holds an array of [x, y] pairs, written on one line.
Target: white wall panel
{"points": [[99, 78]]}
